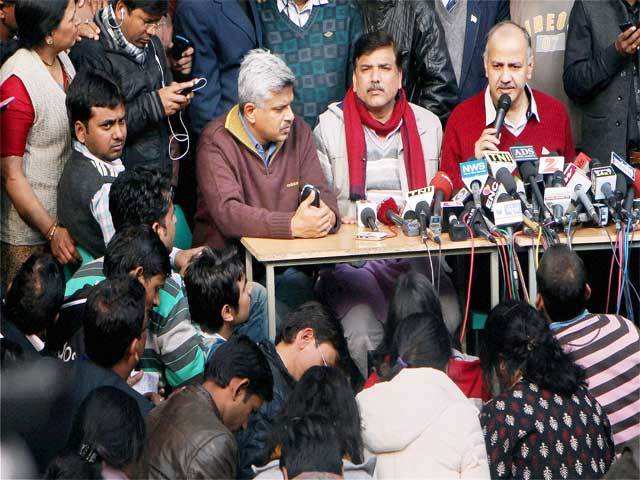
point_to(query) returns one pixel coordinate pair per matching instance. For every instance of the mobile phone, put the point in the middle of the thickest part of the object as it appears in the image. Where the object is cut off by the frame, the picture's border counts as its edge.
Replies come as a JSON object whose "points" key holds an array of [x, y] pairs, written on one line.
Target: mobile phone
{"points": [[306, 191], [5, 102], [180, 45], [625, 26], [197, 83]]}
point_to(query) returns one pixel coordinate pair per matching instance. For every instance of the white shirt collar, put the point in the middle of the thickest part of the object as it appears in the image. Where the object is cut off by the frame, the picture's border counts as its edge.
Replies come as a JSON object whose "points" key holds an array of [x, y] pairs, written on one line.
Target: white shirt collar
{"points": [[282, 4], [490, 109]]}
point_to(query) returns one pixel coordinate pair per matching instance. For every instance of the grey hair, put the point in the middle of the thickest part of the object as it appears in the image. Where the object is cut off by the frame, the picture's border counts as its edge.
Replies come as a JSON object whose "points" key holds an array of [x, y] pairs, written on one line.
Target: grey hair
{"points": [[498, 26], [261, 75]]}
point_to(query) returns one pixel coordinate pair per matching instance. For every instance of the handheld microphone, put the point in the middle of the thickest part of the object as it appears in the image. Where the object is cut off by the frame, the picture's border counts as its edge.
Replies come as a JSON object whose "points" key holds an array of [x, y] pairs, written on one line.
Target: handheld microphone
{"points": [[628, 200], [368, 218], [479, 227], [557, 197], [508, 182], [474, 174], [443, 187], [388, 213], [584, 200], [603, 181], [578, 185], [423, 212], [504, 104], [529, 172]]}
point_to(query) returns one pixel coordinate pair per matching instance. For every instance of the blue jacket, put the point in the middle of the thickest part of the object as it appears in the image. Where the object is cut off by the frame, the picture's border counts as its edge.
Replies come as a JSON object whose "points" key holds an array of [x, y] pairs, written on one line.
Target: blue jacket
{"points": [[482, 15], [221, 34]]}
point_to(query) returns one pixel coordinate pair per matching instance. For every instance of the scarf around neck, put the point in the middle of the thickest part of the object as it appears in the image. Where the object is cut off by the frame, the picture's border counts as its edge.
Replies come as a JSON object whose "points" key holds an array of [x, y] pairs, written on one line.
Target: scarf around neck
{"points": [[356, 116]]}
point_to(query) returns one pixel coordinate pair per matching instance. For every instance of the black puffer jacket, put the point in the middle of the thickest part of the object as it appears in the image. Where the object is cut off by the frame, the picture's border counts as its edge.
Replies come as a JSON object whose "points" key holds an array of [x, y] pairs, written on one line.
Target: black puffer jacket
{"points": [[252, 442], [414, 25], [147, 129]]}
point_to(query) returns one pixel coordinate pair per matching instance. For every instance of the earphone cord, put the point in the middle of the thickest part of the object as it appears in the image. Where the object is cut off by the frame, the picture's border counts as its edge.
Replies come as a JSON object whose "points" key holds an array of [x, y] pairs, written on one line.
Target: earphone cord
{"points": [[178, 137]]}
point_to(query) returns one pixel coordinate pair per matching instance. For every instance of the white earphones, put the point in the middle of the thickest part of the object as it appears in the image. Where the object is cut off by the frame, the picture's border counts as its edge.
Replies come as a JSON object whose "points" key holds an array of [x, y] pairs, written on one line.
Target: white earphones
{"points": [[122, 10]]}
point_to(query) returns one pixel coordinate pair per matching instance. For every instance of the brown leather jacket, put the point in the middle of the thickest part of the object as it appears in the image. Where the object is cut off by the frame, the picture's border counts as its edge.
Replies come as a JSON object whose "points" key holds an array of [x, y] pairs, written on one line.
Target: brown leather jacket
{"points": [[187, 439]]}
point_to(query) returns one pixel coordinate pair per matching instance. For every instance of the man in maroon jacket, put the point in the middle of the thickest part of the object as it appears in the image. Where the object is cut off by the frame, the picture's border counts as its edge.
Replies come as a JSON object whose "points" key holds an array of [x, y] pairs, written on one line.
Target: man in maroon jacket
{"points": [[253, 162]]}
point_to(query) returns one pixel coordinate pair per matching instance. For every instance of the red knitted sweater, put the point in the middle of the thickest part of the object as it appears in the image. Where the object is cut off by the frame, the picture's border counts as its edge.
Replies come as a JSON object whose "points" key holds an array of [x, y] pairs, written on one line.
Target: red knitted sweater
{"points": [[468, 121]]}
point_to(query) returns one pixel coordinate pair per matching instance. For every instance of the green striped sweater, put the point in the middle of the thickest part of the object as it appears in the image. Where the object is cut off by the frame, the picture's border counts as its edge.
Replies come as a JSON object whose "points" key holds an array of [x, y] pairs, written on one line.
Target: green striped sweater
{"points": [[173, 346]]}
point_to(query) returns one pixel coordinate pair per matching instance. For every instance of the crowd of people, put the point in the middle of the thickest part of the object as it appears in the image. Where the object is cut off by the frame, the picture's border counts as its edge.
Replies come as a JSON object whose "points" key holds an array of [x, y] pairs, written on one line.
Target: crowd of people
{"points": [[130, 351]]}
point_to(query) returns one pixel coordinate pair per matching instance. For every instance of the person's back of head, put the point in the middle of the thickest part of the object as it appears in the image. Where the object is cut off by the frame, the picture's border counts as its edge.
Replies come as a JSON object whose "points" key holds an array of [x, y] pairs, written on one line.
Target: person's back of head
{"points": [[421, 340], [109, 428], [213, 282], [240, 372], [517, 342], [310, 445], [326, 393], [114, 321], [562, 283], [136, 249], [413, 293], [142, 195], [36, 294]]}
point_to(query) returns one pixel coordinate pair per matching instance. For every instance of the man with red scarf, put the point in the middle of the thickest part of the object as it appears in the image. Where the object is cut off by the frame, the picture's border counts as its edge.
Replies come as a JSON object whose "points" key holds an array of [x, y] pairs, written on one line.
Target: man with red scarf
{"points": [[374, 145]]}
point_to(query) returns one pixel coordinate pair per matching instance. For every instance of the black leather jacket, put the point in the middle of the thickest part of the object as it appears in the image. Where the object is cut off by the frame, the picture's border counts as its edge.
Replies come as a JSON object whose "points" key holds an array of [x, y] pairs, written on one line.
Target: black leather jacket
{"points": [[147, 128], [414, 25]]}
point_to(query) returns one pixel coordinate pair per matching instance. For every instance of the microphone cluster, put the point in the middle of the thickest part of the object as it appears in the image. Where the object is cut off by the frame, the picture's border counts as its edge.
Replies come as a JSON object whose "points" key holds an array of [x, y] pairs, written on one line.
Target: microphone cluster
{"points": [[515, 190]]}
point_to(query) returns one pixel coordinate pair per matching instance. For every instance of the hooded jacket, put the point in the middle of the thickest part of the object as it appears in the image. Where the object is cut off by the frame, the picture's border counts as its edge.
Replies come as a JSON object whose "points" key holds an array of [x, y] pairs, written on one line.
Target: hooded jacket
{"points": [[147, 125], [432, 433]]}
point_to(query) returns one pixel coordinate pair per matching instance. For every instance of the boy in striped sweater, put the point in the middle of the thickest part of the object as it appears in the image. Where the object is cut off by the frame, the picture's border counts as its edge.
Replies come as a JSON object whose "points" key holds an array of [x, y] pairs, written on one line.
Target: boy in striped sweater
{"points": [[606, 346]]}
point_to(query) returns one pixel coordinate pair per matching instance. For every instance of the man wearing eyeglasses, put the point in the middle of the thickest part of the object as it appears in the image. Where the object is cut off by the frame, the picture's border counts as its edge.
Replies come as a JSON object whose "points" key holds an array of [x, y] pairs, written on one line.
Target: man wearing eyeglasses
{"points": [[308, 337], [131, 53]]}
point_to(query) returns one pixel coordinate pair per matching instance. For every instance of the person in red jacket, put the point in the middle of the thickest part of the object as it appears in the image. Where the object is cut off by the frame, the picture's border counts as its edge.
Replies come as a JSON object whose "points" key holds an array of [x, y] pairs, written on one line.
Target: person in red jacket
{"points": [[534, 118]]}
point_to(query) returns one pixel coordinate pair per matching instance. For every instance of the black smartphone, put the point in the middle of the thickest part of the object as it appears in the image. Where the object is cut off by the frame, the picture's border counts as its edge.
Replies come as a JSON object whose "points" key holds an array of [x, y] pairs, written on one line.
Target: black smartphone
{"points": [[197, 83], [306, 191], [625, 26], [180, 45]]}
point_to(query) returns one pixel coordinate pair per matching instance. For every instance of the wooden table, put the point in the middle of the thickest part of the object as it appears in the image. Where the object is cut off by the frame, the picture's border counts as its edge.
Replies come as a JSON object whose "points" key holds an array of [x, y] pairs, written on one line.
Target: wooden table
{"points": [[584, 239], [344, 247]]}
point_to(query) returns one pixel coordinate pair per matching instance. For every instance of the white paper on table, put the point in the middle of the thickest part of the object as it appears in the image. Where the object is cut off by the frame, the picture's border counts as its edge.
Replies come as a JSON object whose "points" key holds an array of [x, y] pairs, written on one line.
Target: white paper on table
{"points": [[148, 383]]}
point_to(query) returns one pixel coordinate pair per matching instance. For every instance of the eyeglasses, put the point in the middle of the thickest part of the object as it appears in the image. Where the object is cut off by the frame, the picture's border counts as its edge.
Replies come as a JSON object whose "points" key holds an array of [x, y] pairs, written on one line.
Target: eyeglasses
{"points": [[155, 26], [324, 361]]}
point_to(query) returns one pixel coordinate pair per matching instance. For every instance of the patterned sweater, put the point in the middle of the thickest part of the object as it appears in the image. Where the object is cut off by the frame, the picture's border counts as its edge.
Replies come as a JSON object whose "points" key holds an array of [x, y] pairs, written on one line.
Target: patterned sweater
{"points": [[319, 53]]}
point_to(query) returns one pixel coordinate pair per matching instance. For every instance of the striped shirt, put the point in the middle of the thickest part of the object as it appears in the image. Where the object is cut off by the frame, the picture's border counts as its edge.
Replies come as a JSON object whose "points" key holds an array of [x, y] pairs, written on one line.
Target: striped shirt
{"points": [[173, 346], [608, 348]]}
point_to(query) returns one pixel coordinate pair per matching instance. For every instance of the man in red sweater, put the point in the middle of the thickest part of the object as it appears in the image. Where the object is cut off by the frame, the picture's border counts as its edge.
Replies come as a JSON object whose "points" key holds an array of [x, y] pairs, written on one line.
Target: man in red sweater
{"points": [[534, 118], [253, 162]]}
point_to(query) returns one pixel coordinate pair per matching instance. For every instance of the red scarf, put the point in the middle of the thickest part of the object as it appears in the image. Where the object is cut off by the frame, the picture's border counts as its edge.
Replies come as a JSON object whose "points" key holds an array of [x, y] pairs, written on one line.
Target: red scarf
{"points": [[355, 116]]}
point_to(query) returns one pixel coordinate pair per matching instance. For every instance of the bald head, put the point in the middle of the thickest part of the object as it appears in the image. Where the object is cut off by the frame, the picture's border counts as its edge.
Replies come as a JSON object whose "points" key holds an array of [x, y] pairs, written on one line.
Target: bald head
{"points": [[509, 33]]}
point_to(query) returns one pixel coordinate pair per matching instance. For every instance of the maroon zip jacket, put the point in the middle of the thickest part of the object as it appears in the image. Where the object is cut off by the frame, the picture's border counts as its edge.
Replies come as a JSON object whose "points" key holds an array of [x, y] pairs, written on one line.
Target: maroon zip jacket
{"points": [[238, 196]]}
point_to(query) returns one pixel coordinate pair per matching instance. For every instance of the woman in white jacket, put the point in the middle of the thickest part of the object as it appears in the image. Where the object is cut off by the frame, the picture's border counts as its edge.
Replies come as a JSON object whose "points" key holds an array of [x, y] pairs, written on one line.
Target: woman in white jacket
{"points": [[419, 423]]}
